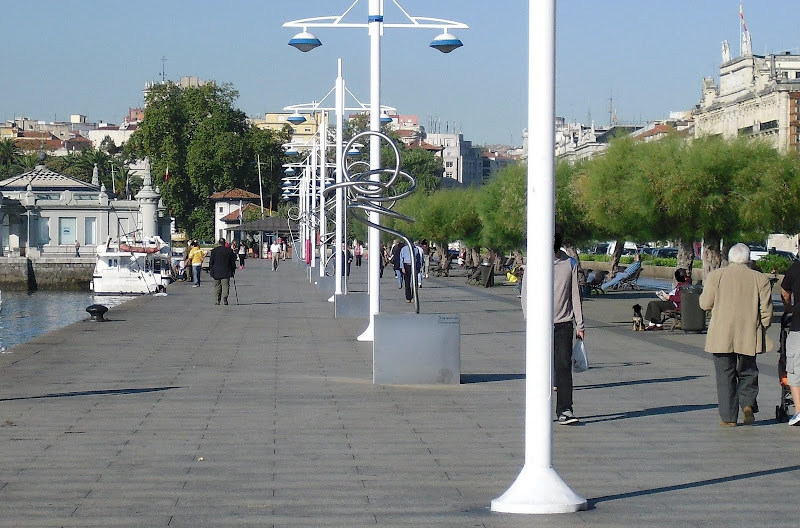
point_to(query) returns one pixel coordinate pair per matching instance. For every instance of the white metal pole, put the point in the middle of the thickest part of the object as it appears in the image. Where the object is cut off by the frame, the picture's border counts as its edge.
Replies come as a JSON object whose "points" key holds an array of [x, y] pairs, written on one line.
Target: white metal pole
{"points": [[375, 29], [339, 177], [313, 204], [539, 488], [260, 188], [323, 175]]}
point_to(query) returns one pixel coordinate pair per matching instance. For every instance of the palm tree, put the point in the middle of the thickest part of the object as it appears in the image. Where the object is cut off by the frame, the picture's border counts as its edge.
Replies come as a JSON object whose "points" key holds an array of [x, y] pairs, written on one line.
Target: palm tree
{"points": [[9, 152]]}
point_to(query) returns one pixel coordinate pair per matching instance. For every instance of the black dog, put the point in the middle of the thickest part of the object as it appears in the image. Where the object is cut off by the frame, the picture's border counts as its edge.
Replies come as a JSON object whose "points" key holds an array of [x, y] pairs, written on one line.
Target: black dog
{"points": [[638, 320]]}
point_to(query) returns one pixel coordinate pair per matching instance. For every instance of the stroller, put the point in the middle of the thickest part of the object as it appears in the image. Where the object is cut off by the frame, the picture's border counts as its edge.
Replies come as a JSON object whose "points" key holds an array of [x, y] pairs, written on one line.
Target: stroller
{"points": [[782, 409]]}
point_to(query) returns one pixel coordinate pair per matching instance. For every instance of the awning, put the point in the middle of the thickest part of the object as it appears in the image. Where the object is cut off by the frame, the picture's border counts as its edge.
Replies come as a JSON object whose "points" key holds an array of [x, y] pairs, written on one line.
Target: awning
{"points": [[271, 224]]}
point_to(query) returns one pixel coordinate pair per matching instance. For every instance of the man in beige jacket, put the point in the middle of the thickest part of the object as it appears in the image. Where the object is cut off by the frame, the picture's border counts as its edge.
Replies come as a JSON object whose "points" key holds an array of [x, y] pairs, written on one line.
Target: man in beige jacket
{"points": [[740, 300]]}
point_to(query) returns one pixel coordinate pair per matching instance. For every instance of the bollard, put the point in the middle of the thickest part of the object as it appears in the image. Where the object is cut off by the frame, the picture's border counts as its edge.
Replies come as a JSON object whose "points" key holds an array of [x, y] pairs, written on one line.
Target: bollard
{"points": [[97, 311]]}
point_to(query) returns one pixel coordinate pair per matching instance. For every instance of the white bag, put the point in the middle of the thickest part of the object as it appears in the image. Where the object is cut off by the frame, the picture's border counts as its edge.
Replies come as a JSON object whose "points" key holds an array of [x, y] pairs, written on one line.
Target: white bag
{"points": [[580, 361]]}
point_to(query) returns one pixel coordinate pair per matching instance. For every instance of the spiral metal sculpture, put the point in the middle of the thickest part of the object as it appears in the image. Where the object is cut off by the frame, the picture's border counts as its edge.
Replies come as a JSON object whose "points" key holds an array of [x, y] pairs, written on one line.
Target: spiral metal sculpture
{"points": [[364, 195]]}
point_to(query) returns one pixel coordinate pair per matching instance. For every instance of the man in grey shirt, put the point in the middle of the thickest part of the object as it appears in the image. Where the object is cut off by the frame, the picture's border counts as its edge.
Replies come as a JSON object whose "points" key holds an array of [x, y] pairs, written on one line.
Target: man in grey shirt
{"points": [[566, 309]]}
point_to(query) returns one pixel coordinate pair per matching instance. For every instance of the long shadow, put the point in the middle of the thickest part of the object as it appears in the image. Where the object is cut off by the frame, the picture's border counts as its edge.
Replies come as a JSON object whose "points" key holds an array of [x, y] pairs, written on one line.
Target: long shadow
{"points": [[591, 503], [652, 411], [620, 364], [111, 392], [486, 378], [636, 382]]}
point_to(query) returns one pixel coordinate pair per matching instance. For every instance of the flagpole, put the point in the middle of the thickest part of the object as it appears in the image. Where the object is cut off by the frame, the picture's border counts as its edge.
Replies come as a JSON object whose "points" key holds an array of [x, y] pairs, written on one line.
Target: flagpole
{"points": [[260, 189]]}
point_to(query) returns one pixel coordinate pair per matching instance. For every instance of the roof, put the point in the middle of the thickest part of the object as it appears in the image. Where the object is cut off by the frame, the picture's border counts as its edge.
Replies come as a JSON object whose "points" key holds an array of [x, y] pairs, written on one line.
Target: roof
{"points": [[234, 194], [234, 215], [43, 179], [272, 224]]}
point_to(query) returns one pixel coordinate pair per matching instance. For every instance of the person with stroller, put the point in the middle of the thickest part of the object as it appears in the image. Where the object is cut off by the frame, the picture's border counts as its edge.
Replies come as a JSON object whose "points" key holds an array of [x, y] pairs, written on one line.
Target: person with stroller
{"points": [[670, 301], [740, 300], [790, 295]]}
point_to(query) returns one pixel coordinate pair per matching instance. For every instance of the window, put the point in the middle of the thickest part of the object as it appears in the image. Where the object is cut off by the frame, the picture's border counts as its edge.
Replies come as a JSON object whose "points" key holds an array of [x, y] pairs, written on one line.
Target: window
{"points": [[66, 231], [42, 231], [220, 208], [448, 164], [89, 233]]}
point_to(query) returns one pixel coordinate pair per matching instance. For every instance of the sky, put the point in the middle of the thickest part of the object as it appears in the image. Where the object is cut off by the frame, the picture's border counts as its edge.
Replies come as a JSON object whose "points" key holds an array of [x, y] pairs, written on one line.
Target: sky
{"points": [[640, 59]]}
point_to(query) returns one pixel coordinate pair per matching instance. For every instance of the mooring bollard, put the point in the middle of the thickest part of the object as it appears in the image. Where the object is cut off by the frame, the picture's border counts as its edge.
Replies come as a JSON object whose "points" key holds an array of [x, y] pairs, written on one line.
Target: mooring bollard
{"points": [[97, 311]]}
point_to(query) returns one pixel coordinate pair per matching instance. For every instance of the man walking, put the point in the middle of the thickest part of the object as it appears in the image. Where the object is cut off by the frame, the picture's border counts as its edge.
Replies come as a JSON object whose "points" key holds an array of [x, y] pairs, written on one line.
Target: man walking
{"points": [[222, 266], [406, 254], [275, 251], [740, 300], [195, 257], [790, 290]]}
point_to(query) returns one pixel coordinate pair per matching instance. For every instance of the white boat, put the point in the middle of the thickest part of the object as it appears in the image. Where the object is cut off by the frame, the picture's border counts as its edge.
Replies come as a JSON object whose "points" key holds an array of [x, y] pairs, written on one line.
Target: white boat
{"points": [[132, 267]]}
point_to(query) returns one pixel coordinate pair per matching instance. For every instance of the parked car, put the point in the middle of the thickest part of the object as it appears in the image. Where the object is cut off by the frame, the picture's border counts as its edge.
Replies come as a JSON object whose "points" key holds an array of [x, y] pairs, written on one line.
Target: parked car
{"points": [[666, 252]]}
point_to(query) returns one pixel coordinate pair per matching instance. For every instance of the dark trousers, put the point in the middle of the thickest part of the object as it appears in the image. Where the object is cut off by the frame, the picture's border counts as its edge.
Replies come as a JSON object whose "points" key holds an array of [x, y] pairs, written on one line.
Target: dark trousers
{"points": [[221, 289], [654, 309], [358, 260], [737, 384], [562, 362], [407, 281]]}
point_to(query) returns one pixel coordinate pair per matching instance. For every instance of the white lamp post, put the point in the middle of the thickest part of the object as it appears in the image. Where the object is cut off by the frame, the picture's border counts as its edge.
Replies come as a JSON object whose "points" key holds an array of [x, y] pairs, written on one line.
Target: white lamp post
{"points": [[340, 92], [539, 488], [305, 41]]}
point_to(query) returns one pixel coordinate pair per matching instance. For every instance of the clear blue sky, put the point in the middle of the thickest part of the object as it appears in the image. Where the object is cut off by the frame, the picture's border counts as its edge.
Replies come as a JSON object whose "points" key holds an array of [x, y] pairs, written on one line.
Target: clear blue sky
{"points": [[93, 57]]}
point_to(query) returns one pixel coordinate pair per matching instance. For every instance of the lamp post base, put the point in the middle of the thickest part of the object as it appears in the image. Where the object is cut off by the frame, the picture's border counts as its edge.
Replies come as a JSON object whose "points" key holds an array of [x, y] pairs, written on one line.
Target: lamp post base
{"points": [[539, 491], [369, 333]]}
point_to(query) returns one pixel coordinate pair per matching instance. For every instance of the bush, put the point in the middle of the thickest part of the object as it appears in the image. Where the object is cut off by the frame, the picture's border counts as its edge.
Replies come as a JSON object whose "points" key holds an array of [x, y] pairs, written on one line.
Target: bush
{"points": [[596, 258], [774, 264]]}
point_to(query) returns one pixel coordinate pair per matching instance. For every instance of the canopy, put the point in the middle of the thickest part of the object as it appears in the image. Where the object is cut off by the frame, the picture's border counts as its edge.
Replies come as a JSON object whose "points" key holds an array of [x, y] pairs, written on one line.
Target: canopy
{"points": [[271, 224]]}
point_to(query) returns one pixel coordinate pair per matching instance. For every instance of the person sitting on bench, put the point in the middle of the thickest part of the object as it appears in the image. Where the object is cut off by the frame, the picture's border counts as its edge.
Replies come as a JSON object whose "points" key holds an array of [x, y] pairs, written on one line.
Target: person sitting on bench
{"points": [[669, 301]]}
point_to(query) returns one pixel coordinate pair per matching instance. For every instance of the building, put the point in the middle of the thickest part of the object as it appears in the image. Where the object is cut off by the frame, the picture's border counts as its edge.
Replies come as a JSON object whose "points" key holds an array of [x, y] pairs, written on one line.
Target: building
{"points": [[301, 132], [494, 162], [462, 162], [229, 209], [757, 97], [118, 134], [43, 213]]}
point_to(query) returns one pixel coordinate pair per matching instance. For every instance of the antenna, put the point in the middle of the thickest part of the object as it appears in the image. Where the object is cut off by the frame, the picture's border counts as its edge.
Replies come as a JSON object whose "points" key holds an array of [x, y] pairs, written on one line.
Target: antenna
{"points": [[611, 109], [163, 69]]}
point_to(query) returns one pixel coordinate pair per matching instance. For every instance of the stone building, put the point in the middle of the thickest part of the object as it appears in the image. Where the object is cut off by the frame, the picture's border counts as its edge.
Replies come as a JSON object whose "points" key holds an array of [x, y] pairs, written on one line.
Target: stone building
{"points": [[43, 213], [757, 97]]}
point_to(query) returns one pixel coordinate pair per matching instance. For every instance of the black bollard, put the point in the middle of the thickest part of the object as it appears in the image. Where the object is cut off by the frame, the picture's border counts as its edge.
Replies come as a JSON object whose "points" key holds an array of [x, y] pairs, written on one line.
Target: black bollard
{"points": [[97, 311]]}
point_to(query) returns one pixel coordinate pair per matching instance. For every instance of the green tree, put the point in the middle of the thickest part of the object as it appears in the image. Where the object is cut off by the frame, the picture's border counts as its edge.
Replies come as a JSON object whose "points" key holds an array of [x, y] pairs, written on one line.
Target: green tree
{"points": [[203, 140], [9, 153], [502, 207]]}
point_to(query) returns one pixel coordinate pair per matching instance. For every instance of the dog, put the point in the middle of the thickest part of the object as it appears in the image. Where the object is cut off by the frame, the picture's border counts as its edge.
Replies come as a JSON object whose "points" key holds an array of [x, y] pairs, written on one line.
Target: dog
{"points": [[638, 320]]}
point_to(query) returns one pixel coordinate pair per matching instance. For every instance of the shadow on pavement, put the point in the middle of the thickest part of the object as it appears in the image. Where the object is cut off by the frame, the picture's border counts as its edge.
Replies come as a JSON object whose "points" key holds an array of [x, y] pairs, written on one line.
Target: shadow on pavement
{"points": [[690, 485], [112, 392], [486, 378], [652, 411], [635, 382]]}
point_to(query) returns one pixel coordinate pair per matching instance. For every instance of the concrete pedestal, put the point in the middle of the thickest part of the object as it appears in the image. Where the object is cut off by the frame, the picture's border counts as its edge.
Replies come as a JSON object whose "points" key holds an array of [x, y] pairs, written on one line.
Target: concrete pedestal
{"points": [[417, 349], [351, 305]]}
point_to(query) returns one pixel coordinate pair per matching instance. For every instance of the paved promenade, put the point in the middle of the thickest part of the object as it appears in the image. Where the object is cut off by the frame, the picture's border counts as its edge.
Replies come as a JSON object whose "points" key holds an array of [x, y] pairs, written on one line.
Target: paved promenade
{"points": [[180, 413]]}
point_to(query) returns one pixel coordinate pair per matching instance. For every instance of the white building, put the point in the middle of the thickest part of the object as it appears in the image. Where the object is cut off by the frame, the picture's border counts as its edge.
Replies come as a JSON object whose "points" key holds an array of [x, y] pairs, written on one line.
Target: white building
{"points": [[43, 212], [462, 162], [757, 97]]}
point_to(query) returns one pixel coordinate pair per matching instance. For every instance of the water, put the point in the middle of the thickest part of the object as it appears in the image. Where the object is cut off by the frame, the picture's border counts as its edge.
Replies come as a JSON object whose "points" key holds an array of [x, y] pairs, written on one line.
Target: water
{"points": [[24, 315]]}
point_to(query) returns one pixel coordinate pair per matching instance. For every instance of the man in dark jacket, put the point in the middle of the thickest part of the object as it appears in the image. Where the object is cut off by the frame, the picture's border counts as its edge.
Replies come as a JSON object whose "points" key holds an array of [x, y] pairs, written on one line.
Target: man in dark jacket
{"points": [[221, 267]]}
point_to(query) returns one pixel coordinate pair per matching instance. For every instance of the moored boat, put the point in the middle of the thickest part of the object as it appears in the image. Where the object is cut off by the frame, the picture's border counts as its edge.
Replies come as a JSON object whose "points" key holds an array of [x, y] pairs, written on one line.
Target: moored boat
{"points": [[132, 267]]}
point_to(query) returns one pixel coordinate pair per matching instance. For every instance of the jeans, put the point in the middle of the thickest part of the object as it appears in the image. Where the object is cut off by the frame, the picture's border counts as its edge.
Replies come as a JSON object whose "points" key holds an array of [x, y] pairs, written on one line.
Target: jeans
{"points": [[399, 276], [196, 273], [407, 280], [562, 362]]}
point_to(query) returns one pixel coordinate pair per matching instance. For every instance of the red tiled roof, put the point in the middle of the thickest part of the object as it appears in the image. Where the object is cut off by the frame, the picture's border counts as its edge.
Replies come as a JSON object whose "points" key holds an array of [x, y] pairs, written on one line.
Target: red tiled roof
{"points": [[426, 146], [234, 215], [234, 194]]}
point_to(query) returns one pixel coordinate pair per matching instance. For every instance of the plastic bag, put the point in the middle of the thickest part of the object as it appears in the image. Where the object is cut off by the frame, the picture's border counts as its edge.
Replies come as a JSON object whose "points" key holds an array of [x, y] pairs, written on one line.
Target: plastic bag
{"points": [[580, 361]]}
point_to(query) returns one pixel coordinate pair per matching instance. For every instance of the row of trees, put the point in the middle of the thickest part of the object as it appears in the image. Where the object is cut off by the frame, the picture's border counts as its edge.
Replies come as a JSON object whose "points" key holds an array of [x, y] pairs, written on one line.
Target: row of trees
{"points": [[709, 189]]}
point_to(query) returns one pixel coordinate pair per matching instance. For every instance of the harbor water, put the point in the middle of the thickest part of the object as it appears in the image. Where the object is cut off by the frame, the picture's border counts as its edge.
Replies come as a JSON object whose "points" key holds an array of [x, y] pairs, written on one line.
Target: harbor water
{"points": [[24, 315]]}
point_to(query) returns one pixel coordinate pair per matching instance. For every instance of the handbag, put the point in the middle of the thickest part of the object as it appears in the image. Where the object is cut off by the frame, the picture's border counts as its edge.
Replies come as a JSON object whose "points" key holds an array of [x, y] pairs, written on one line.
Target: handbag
{"points": [[580, 361]]}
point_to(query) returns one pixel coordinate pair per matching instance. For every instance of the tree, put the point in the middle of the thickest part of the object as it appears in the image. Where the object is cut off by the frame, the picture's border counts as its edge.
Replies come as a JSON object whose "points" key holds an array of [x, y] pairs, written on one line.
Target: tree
{"points": [[9, 153], [502, 207], [203, 140]]}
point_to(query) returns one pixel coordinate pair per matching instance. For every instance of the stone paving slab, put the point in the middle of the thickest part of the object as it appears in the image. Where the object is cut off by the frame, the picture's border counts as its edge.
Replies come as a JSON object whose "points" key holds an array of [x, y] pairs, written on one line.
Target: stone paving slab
{"points": [[262, 413]]}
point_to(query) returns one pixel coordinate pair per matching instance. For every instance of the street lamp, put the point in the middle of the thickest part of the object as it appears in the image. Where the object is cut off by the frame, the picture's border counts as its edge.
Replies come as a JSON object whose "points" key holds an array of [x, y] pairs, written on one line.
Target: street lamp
{"points": [[340, 107], [539, 488], [305, 41]]}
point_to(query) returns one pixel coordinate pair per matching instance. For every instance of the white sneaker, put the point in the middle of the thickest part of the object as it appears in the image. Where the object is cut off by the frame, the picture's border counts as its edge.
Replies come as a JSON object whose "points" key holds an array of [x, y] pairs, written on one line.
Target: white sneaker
{"points": [[795, 420]]}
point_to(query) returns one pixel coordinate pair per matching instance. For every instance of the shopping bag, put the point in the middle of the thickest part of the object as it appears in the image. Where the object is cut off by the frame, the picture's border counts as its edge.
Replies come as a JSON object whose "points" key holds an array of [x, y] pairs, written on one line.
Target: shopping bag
{"points": [[580, 361]]}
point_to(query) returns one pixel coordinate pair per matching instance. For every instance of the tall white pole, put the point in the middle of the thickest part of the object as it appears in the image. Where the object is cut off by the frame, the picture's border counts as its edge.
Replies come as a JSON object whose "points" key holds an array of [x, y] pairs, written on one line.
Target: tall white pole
{"points": [[260, 188], [323, 175], [374, 262], [539, 488], [313, 205], [339, 176]]}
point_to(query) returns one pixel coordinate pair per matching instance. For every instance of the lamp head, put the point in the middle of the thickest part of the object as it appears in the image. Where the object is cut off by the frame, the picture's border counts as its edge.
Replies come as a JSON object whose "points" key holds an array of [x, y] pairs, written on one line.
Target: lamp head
{"points": [[296, 118], [289, 171], [385, 118], [446, 42], [305, 41], [291, 151]]}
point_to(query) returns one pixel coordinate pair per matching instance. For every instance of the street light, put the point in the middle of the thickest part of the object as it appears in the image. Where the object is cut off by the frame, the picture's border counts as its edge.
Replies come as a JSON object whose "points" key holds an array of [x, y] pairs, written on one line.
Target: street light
{"points": [[538, 487], [305, 42]]}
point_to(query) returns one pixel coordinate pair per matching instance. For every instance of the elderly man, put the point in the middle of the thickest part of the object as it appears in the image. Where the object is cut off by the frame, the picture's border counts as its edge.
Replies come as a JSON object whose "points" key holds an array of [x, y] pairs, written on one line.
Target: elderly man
{"points": [[740, 300], [222, 267]]}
